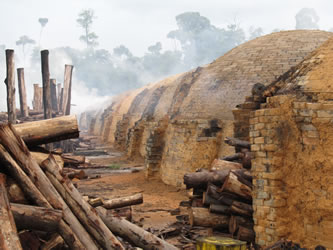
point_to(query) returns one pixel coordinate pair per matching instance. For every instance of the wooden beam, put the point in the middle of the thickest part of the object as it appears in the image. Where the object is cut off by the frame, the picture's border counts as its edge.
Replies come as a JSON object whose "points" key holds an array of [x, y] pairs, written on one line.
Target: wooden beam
{"points": [[46, 85], [10, 83], [23, 93]]}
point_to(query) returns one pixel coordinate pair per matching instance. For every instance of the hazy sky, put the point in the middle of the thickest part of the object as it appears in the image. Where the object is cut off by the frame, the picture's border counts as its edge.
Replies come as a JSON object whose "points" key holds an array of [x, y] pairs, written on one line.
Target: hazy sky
{"points": [[140, 23], [136, 24]]}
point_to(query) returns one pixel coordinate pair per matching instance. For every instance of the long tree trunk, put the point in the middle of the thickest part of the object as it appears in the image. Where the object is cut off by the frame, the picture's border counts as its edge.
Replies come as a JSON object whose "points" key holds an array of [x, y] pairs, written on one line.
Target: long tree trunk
{"points": [[66, 101], [36, 196], [16, 147], [86, 214], [22, 93], [134, 234], [8, 232], [58, 95], [200, 216], [123, 201], [53, 89], [10, 83], [46, 131], [37, 102], [36, 218], [46, 85]]}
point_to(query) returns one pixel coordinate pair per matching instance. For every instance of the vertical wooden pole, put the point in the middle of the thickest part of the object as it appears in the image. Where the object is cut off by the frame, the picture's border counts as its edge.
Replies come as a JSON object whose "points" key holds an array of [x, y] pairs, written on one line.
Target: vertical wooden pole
{"points": [[61, 100], [66, 102], [46, 84], [22, 92], [8, 232], [10, 82], [34, 101], [54, 101], [58, 95]]}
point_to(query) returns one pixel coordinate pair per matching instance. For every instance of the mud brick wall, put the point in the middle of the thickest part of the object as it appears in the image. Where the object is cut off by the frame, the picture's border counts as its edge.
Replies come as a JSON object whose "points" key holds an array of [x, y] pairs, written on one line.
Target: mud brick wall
{"points": [[189, 145], [293, 171]]}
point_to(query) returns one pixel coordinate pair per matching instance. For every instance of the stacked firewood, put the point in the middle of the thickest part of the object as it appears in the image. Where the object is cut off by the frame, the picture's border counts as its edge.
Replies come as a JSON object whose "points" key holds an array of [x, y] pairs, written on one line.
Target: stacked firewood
{"points": [[221, 198], [51, 212]]}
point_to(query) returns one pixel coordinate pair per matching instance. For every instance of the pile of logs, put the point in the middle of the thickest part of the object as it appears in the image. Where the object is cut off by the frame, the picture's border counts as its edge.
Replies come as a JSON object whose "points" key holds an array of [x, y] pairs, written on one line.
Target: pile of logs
{"points": [[221, 198], [51, 213]]}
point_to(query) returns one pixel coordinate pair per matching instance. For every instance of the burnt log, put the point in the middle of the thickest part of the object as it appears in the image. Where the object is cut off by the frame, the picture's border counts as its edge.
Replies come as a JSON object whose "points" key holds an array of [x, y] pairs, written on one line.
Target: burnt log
{"points": [[246, 234], [236, 221], [237, 142], [46, 84], [219, 209]]}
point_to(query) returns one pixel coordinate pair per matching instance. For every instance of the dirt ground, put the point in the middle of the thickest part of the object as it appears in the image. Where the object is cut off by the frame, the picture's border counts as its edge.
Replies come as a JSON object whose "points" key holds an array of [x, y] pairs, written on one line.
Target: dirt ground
{"points": [[116, 180]]}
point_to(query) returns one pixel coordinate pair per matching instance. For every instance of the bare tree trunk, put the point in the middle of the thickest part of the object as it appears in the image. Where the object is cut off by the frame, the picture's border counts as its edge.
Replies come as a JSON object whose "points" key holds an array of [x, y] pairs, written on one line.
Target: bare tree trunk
{"points": [[54, 101], [47, 131], [46, 85], [66, 102], [58, 95], [22, 92], [86, 214], [16, 147], [61, 100], [10, 82], [37, 102], [134, 234], [36, 218], [123, 201], [8, 232]]}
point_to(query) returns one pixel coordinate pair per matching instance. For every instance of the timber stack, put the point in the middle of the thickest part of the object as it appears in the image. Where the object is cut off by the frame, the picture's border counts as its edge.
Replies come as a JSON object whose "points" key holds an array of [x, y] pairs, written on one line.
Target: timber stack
{"points": [[221, 197], [42, 209]]}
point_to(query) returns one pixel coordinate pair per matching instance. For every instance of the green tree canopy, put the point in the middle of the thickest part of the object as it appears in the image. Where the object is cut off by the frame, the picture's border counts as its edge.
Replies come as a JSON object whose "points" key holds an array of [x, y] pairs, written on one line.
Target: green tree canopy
{"points": [[85, 21]]}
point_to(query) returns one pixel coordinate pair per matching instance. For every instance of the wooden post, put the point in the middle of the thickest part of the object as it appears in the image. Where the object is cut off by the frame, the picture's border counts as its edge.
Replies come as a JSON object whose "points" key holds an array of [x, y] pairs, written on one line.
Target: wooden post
{"points": [[10, 82], [58, 95], [37, 101], [8, 232], [61, 100], [54, 100], [22, 92], [66, 102], [46, 85]]}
